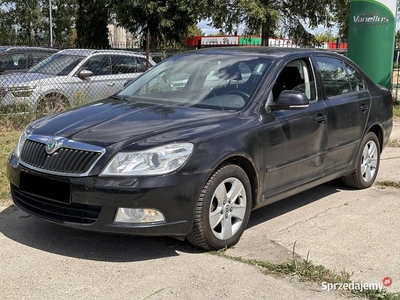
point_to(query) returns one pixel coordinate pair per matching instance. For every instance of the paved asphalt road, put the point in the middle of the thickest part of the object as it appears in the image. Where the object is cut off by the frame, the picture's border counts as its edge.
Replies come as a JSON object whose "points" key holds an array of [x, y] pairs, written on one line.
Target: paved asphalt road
{"points": [[336, 227]]}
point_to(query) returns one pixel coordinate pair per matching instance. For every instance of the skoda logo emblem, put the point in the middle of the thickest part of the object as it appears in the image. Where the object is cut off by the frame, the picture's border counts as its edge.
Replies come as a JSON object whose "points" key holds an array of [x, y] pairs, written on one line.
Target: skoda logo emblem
{"points": [[51, 146]]}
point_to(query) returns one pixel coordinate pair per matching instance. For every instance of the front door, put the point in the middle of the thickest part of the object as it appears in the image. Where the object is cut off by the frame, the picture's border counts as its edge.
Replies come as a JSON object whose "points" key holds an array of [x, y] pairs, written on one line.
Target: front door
{"points": [[294, 140]]}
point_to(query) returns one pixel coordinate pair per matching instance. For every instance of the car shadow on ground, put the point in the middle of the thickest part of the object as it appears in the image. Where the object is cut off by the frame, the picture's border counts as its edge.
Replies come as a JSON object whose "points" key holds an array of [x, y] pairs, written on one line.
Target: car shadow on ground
{"points": [[53, 238], [281, 207]]}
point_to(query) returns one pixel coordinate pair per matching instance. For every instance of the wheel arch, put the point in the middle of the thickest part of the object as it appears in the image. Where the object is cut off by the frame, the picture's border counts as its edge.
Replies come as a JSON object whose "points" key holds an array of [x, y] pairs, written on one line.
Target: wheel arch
{"points": [[379, 134], [50, 97], [55, 94], [249, 168]]}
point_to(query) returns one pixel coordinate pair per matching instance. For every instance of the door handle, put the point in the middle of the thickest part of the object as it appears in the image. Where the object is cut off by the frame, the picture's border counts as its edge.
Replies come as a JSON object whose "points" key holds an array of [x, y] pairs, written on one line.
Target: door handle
{"points": [[110, 83], [364, 107], [321, 118]]}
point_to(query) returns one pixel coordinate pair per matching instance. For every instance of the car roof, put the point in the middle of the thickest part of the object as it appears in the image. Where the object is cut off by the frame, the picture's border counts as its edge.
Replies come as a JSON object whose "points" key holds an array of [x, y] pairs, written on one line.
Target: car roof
{"points": [[87, 52], [10, 48], [263, 50]]}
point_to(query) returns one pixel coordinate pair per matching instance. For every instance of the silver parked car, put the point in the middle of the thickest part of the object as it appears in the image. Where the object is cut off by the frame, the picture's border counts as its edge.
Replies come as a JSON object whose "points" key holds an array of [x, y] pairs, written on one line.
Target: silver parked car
{"points": [[70, 77]]}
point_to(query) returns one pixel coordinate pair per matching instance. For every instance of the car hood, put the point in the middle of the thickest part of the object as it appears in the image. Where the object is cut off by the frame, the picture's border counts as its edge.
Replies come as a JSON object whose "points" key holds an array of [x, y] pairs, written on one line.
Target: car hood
{"points": [[18, 78], [109, 122]]}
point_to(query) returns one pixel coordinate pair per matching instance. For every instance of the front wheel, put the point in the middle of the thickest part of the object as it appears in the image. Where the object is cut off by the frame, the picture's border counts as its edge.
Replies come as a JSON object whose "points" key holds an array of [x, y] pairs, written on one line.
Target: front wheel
{"points": [[367, 163], [223, 209]]}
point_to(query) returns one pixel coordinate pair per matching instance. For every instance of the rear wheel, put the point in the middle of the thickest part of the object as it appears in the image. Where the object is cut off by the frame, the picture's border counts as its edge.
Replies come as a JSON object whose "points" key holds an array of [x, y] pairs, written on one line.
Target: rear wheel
{"points": [[50, 105], [367, 163], [223, 209]]}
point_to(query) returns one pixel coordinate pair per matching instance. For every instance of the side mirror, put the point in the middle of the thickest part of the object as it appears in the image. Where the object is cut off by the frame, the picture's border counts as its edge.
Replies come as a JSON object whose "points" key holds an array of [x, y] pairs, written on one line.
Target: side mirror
{"points": [[290, 100], [84, 74]]}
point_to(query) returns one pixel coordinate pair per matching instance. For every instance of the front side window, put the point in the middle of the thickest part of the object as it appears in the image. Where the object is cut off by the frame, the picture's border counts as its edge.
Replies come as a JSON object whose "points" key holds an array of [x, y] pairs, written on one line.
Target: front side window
{"points": [[334, 76], [98, 64], [296, 75]]}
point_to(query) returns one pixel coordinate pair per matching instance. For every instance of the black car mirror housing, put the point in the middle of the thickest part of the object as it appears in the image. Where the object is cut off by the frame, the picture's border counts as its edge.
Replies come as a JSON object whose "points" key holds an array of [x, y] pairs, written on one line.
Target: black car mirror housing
{"points": [[290, 100]]}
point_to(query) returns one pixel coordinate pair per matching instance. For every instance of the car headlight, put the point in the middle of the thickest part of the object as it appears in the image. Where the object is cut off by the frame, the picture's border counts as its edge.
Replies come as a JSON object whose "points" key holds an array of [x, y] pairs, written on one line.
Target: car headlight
{"points": [[155, 161], [21, 140], [22, 91]]}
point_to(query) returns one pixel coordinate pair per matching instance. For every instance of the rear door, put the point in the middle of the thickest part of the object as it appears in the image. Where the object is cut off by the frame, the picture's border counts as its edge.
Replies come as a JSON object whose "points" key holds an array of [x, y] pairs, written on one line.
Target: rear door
{"points": [[348, 105], [124, 68]]}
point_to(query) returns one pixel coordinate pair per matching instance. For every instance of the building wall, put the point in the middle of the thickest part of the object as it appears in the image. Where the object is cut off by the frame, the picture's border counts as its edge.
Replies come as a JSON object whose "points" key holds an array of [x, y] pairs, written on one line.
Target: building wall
{"points": [[117, 36]]}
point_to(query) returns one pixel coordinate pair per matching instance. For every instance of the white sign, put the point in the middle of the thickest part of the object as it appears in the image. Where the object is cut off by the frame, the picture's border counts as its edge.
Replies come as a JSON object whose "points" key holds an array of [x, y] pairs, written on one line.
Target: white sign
{"points": [[220, 40]]}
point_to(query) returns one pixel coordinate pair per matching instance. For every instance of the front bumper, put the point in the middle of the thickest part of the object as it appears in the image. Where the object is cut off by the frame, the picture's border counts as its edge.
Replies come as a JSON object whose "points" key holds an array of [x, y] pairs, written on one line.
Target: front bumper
{"points": [[9, 102], [91, 203]]}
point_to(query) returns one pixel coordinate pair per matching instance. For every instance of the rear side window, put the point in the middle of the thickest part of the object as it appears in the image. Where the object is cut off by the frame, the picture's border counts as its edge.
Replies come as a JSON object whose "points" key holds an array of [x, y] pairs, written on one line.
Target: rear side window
{"points": [[334, 76], [339, 77], [356, 80], [122, 64]]}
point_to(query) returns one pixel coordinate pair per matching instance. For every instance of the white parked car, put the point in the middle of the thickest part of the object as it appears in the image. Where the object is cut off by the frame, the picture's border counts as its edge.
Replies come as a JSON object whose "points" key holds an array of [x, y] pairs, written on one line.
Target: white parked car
{"points": [[70, 77]]}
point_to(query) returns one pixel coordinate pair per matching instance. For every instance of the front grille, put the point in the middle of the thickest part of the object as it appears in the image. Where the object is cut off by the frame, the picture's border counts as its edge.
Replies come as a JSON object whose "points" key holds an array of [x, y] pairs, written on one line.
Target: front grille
{"points": [[54, 211], [64, 160]]}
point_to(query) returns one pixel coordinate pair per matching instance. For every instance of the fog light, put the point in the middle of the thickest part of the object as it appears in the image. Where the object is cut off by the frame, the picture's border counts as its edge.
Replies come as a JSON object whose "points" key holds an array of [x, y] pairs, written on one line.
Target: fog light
{"points": [[138, 215]]}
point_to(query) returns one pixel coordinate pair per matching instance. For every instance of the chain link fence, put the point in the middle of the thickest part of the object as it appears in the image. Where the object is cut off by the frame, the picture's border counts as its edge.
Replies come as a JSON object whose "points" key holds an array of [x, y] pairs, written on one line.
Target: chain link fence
{"points": [[396, 76], [36, 81]]}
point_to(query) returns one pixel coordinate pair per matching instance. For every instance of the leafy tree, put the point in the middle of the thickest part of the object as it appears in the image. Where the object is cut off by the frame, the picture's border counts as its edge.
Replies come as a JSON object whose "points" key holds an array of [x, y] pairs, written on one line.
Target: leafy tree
{"points": [[327, 36], [169, 20], [7, 31], [164, 20], [63, 19], [220, 33], [28, 18], [91, 24], [193, 31], [70, 40], [269, 15]]}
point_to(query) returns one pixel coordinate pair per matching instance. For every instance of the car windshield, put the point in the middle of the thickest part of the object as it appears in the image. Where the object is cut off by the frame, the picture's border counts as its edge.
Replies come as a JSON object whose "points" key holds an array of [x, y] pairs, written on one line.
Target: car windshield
{"points": [[218, 81], [57, 64]]}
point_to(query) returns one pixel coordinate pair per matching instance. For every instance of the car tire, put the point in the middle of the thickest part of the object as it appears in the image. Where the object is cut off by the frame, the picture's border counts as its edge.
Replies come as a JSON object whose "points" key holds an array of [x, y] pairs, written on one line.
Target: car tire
{"points": [[223, 209], [50, 105], [367, 163]]}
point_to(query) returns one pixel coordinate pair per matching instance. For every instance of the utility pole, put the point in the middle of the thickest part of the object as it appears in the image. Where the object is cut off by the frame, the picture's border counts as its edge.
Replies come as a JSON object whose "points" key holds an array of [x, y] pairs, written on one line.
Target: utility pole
{"points": [[51, 25]]}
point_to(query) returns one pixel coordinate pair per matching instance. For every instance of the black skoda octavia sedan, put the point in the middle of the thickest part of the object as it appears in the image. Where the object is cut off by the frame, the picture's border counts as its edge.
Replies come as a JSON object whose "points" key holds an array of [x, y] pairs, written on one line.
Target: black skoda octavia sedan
{"points": [[196, 143]]}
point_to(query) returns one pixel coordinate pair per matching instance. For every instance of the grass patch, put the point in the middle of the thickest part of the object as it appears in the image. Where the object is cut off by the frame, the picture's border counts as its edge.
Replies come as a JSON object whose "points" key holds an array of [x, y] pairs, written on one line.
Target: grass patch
{"points": [[16, 121], [306, 271], [8, 140], [388, 183], [394, 143]]}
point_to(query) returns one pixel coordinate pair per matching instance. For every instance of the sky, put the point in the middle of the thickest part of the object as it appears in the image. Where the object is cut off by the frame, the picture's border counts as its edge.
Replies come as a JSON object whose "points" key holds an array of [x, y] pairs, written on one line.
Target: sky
{"points": [[210, 30]]}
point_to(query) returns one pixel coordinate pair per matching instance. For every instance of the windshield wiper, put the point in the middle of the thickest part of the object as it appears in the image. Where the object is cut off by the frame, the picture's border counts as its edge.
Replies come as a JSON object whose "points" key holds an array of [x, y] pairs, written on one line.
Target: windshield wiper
{"points": [[120, 98]]}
